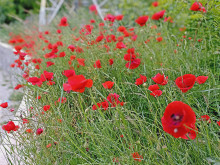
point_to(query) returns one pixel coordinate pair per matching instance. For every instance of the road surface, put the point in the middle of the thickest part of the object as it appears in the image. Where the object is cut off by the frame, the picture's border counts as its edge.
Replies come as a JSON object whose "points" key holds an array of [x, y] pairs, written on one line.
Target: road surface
{"points": [[8, 80]]}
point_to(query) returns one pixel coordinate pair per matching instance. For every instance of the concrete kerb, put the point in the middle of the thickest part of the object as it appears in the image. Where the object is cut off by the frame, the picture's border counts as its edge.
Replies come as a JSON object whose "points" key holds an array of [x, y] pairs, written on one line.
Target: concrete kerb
{"points": [[6, 45]]}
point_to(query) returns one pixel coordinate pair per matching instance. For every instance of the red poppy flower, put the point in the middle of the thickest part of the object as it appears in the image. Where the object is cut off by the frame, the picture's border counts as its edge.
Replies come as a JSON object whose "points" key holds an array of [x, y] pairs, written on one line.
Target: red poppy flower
{"points": [[10, 126], [78, 83], [178, 119], [4, 105], [12, 65], [94, 107], [160, 79], [49, 145], [159, 39], [46, 76], [25, 121], [142, 79], [104, 105], [133, 64], [168, 19], [203, 10], [37, 67], [131, 51], [63, 22], [92, 8], [153, 87], [185, 82], [101, 24], [109, 17], [62, 99], [50, 83], [110, 38], [49, 63], [201, 79], [129, 57], [111, 61], [18, 48], [120, 38], [119, 17], [72, 48], [29, 130], [86, 30], [34, 81], [38, 97], [137, 157], [191, 134], [218, 122], [59, 31], [205, 118], [46, 32], [25, 75], [72, 57], [81, 61], [67, 87], [46, 107], [142, 20], [68, 73], [197, 6], [155, 4], [121, 29], [120, 45], [155, 90], [113, 99], [99, 38], [97, 64], [156, 93], [62, 54], [18, 87], [108, 84], [39, 131], [158, 15], [92, 21], [134, 38]]}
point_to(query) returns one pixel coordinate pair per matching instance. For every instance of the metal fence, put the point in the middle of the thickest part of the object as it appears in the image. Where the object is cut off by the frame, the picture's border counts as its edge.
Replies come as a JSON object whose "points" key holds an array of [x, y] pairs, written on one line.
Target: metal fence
{"points": [[50, 8]]}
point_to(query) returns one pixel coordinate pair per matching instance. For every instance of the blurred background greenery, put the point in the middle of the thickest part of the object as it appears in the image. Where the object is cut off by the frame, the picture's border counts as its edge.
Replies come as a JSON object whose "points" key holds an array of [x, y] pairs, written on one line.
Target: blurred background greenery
{"points": [[11, 10], [18, 10]]}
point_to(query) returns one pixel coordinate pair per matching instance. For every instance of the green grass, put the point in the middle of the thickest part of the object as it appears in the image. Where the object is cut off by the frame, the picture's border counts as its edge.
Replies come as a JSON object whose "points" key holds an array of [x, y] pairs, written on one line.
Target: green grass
{"points": [[139, 120]]}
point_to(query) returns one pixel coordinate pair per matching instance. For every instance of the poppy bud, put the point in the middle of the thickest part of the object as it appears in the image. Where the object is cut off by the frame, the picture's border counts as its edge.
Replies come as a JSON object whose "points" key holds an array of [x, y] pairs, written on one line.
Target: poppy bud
{"points": [[39, 131]]}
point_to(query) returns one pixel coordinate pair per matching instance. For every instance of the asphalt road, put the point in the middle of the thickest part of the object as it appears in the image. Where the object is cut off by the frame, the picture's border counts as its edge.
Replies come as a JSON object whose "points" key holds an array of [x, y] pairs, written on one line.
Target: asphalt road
{"points": [[8, 80]]}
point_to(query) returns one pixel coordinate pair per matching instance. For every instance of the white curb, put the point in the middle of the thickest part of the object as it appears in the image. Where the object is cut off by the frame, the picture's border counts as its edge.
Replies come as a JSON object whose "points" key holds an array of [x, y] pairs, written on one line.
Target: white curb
{"points": [[6, 45]]}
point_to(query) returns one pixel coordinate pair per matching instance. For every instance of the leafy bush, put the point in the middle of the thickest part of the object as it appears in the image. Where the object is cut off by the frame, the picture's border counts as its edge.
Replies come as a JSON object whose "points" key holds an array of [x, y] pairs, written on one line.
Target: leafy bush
{"points": [[6, 7], [10, 9]]}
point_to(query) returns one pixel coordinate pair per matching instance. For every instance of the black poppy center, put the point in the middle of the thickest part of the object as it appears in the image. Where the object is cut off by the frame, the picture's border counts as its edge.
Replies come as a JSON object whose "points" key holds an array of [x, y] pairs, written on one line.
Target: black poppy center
{"points": [[177, 118]]}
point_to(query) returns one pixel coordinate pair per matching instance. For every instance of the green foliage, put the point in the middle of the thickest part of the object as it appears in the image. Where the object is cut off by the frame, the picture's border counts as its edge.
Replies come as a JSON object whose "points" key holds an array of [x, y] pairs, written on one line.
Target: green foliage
{"points": [[6, 7], [179, 11], [12, 9]]}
